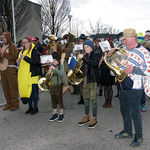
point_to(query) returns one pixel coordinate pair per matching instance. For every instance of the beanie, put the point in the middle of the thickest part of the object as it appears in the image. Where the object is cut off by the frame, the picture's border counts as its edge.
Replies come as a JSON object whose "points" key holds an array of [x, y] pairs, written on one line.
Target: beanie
{"points": [[56, 56], [89, 43], [140, 37]]}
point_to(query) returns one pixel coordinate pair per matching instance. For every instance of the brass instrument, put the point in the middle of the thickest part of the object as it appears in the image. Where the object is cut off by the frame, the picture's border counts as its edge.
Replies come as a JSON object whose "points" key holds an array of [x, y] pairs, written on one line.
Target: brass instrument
{"points": [[76, 77], [45, 83], [115, 59], [69, 39]]}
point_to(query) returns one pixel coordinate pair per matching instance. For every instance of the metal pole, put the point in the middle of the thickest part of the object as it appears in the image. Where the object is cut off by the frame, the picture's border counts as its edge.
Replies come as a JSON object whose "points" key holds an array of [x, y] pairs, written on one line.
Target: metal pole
{"points": [[14, 22], [70, 16]]}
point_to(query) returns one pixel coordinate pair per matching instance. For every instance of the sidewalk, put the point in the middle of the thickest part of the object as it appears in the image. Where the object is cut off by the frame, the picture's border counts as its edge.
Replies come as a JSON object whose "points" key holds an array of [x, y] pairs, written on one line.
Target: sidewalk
{"points": [[26, 132]]}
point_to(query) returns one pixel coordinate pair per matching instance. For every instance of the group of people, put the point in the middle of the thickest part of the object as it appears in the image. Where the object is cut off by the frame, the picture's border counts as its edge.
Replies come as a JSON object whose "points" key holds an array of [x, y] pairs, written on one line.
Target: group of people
{"points": [[95, 73]]}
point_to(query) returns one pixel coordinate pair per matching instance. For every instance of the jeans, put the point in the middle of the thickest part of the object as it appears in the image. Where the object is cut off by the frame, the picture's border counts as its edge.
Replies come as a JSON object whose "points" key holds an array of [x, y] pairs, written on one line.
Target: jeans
{"points": [[34, 96], [130, 101]]}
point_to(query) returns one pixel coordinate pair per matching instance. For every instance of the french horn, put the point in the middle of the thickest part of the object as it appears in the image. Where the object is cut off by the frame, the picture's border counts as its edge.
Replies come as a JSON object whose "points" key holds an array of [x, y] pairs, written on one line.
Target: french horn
{"points": [[114, 60]]}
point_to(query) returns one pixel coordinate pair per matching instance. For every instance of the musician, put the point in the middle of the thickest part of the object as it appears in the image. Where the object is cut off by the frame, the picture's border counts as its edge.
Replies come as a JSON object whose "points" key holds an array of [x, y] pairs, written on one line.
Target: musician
{"points": [[82, 39], [57, 87], [131, 89], [8, 56], [91, 77], [67, 50], [53, 46], [28, 75]]}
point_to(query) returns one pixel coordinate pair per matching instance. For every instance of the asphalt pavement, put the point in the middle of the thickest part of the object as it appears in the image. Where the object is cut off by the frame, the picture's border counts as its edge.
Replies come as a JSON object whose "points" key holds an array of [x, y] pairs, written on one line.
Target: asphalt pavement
{"points": [[26, 132]]}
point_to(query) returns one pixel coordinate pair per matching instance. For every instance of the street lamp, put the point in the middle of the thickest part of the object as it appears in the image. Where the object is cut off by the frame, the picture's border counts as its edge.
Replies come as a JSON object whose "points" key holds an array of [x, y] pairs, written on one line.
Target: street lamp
{"points": [[70, 16]]}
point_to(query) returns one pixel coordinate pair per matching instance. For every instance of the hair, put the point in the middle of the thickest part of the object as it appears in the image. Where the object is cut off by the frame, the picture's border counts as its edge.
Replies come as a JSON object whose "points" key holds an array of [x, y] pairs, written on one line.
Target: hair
{"points": [[29, 40]]}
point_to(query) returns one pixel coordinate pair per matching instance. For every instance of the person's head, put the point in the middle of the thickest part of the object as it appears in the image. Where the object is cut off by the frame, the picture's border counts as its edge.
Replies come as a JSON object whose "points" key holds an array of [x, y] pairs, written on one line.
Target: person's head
{"points": [[52, 39], [97, 42], [26, 42], [82, 38], [6, 37], [56, 58], [88, 46], [37, 40], [147, 35], [140, 38], [130, 38]]}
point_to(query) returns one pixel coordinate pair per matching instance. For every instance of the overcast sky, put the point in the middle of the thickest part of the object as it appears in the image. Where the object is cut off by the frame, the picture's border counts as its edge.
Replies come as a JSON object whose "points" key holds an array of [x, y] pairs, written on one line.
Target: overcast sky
{"points": [[120, 14]]}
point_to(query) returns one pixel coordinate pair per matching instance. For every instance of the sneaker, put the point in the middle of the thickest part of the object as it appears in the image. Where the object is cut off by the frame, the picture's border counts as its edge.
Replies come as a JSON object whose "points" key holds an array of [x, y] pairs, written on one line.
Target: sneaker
{"points": [[54, 117], [137, 141], [61, 118], [143, 109], [84, 121], [123, 134], [93, 123]]}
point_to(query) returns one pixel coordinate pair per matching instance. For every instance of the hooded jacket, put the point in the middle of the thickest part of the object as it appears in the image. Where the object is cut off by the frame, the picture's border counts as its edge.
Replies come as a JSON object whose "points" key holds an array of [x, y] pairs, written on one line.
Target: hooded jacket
{"points": [[10, 53]]}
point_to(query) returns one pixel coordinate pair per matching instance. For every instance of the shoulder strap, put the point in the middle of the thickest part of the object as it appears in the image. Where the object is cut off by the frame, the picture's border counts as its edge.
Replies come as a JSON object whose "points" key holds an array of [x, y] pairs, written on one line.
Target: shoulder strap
{"points": [[7, 47]]}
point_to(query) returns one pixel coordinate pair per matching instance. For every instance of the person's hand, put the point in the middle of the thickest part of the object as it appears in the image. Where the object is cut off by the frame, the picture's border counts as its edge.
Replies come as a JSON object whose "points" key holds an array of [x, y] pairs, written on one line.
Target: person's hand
{"points": [[22, 56], [102, 59], [52, 67], [17, 61], [80, 56], [1, 51], [129, 69]]}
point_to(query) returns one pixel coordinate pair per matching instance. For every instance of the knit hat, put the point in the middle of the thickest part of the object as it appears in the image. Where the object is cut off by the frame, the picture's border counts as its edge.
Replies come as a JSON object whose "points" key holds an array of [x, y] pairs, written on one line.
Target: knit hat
{"points": [[140, 37], [56, 56], [7, 36], [89, 43]]}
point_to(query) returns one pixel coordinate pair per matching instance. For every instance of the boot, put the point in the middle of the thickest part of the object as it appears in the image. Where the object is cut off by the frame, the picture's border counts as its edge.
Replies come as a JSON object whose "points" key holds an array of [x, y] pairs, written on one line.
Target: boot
{"points": [[109, 104], [84, 121], [93, 123], [105, 104], [100, 92], [6, 107], [81, 101]]}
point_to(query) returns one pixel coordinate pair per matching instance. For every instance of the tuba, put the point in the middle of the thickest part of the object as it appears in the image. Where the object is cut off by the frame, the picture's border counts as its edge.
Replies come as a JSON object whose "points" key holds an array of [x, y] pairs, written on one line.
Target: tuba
{"points": [[114, 60], [69, 39], [45, 83], [76, 77]]}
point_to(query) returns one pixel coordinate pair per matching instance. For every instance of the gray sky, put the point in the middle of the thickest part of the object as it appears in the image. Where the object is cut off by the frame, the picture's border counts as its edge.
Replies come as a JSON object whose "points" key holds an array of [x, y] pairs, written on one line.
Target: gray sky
{"points": [[120, 14]]}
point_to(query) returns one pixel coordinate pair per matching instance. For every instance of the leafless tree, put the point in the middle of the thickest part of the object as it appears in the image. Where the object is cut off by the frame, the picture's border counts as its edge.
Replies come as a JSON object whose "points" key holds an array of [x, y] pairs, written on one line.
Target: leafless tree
{"points": [[54, 14], [101, 28], [21, 11]]}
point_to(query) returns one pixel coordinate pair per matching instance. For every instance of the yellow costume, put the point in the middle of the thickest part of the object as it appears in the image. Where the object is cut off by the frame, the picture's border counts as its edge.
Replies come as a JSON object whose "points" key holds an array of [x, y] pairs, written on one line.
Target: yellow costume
{"points": [[25, 80]]}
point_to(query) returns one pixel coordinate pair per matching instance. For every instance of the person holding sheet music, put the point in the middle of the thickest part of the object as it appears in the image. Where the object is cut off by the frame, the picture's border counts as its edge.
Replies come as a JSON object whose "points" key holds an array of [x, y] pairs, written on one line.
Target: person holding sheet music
{"points": [[8, 56]]}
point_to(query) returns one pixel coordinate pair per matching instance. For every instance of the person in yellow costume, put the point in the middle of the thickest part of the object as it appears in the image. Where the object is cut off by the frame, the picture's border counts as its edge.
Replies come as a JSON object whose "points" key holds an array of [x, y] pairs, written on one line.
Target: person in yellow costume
{"points": [[28, 75]]}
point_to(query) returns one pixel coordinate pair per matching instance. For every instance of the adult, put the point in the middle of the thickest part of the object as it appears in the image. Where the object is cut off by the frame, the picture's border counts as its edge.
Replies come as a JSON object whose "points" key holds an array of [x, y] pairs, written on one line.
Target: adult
{"points": [[8, 56], [131, 89], [28, 75]]}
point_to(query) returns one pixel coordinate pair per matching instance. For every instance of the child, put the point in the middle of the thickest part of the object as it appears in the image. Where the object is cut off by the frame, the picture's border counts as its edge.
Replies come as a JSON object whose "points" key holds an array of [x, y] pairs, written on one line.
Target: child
{"points": [[57, 87], [91, 77]]}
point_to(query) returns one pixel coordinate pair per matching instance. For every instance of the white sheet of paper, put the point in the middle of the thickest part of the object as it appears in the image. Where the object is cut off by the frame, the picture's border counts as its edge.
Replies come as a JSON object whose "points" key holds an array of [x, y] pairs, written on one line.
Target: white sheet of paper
{"points": [[137, 84], [46, 59], [105, 46], [78, 47], [63, 42]]}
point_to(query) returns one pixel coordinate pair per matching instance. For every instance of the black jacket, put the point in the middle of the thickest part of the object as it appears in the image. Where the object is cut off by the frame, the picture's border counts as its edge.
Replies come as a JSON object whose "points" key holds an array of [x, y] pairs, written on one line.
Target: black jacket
{"points": [[34, 62], [92, 66]]}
